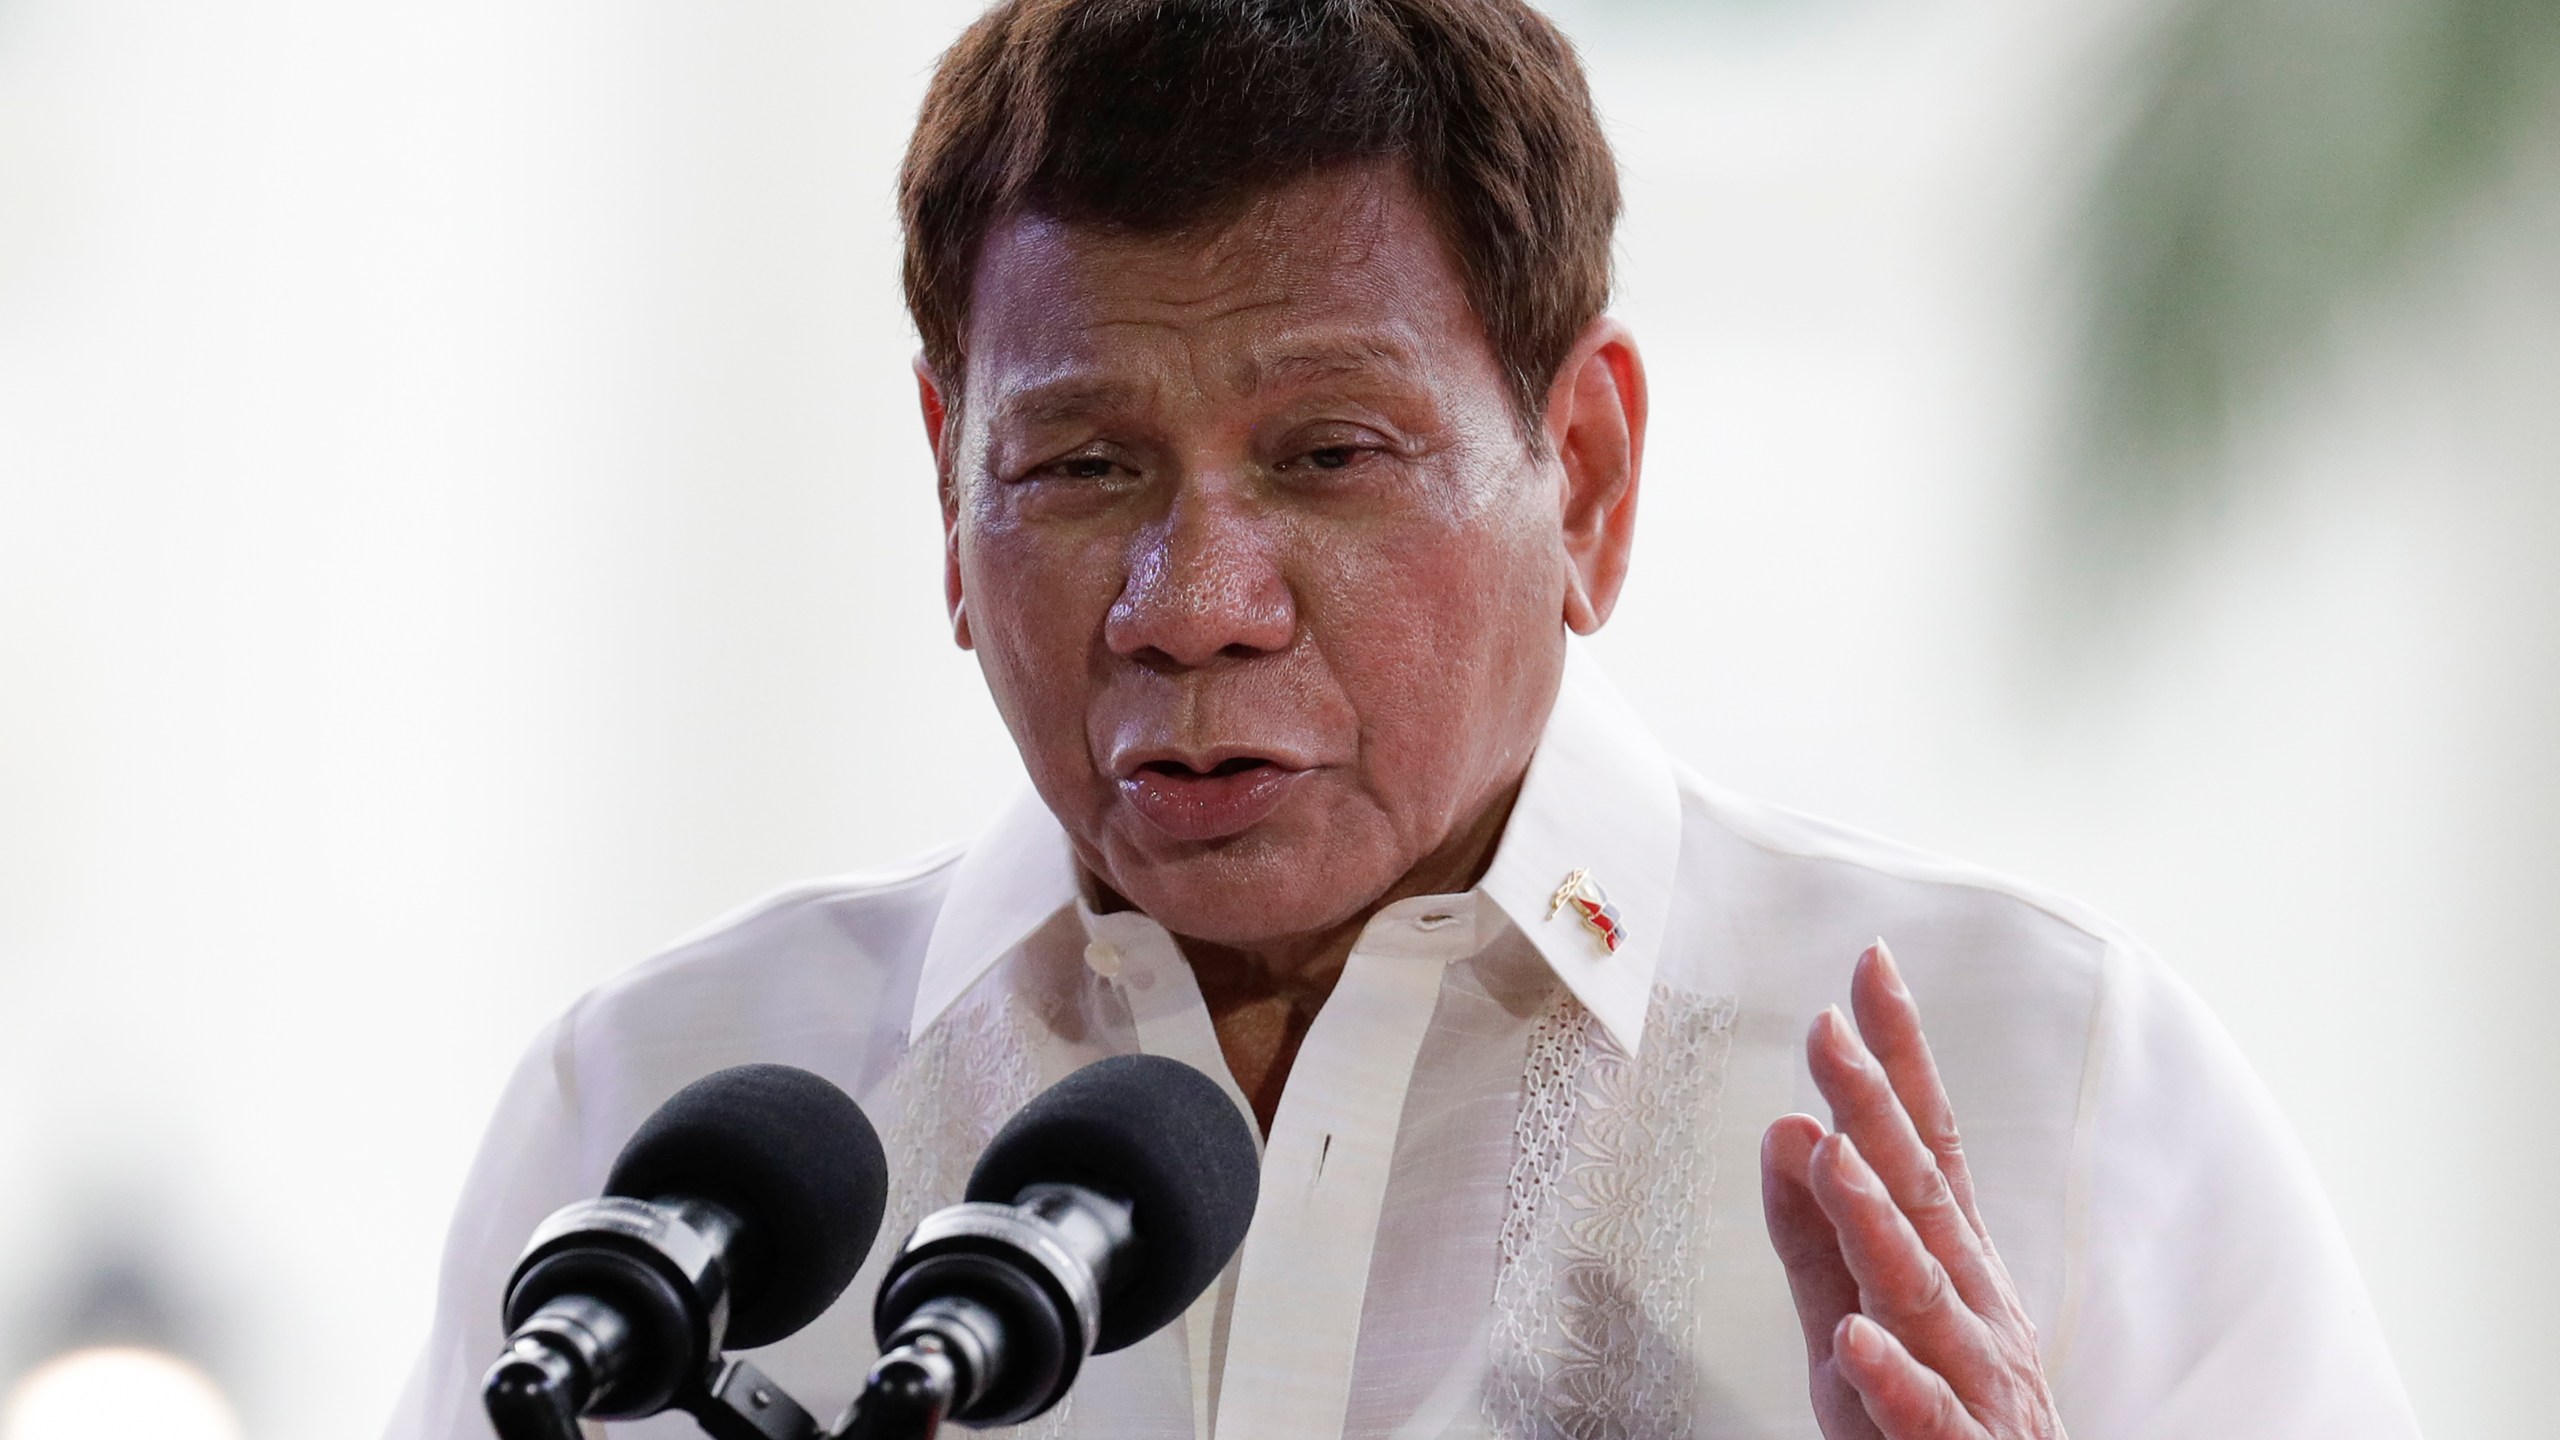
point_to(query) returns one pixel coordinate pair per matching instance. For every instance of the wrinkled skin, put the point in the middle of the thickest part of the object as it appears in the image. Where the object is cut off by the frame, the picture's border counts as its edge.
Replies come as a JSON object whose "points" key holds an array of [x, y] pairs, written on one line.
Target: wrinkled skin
{"points": [[1271, 586], [1258, 493], [1912, 1327]]}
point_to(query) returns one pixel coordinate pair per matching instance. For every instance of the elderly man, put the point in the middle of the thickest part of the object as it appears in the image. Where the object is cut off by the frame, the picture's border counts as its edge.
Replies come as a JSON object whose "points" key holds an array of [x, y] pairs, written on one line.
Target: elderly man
{"points": [[1283, 446]]}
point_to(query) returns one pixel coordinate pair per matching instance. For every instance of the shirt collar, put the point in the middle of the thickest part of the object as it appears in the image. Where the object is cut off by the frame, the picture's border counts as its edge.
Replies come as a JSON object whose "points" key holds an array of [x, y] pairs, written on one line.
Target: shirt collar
{"points": [[1599, 798], [1016, 876]]}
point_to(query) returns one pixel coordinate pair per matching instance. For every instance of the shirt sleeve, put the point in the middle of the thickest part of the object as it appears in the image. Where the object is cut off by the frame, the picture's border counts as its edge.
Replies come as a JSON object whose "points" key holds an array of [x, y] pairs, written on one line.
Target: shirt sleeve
{"points": [[2213, 1295], [530, 1164]]}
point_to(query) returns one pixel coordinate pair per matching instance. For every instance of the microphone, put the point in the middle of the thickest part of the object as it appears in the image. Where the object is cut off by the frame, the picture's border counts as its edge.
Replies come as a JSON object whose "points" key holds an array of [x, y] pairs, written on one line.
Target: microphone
{"points": [[736, 1215], [1095, 1217]]}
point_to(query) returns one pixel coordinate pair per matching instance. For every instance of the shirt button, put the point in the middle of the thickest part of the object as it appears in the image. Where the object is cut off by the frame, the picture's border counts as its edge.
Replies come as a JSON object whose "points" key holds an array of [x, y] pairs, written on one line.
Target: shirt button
{"points": [[1104, 959]]}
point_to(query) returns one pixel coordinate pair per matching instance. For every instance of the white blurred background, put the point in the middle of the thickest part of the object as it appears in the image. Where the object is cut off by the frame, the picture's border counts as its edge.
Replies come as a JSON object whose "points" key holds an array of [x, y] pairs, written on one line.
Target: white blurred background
{"points": [[463, 523]]}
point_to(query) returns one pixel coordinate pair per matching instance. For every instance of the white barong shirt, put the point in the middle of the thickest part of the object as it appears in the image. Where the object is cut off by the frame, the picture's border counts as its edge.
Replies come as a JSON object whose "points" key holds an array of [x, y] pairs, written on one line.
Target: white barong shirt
{"points": [[1511, 1188]]}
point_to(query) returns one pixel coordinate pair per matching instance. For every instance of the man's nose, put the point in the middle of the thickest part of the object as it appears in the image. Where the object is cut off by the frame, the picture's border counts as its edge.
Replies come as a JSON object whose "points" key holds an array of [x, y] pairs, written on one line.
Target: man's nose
{"points": [[1204, 584]]}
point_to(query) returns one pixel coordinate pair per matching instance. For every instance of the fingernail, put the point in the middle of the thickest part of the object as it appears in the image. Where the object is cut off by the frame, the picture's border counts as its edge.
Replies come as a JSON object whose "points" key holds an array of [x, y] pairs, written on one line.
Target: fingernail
{"points": [[1840, 1039], [1890, 972], [1846, 1042], [1865, 1340], [1851, 1167]]}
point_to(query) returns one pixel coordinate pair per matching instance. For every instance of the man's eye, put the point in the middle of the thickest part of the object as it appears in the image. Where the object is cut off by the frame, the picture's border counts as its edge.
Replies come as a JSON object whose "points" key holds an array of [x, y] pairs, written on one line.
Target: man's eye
{"points": [[1332, 457], [1077, 467]]}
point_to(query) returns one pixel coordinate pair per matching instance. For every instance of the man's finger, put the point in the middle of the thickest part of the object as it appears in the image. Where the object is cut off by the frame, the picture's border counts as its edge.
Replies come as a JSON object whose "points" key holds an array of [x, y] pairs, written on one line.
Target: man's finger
{"points": [[1906, 1399], [1866, 1108], [1901, 1286], [1889, 1019], [1817, 1274]]}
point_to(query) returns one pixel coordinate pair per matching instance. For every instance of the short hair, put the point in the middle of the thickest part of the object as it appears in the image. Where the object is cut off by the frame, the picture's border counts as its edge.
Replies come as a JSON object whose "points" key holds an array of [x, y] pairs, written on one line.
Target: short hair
{"points": [[1153, 116]]}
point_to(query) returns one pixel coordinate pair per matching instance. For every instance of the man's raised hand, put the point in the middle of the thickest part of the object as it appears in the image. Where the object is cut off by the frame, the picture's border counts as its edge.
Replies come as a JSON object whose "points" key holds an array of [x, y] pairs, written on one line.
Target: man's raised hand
{"points": [[1912, 1329]]}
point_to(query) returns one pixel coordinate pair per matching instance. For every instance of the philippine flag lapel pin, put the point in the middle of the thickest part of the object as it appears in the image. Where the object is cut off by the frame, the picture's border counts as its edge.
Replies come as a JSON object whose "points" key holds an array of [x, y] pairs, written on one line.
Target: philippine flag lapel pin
{"points": [[1589, 901]]}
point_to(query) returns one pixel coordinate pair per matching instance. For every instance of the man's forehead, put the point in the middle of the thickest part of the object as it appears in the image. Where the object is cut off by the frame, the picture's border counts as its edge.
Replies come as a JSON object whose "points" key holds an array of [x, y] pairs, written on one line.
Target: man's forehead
{"points": [[1334, 278], [1325, 250], [1033, 389], [1342, 217]]}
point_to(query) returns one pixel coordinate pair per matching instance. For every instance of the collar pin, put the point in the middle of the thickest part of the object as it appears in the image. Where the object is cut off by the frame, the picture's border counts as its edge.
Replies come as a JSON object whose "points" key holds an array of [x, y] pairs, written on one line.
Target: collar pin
{"points": [[1585, 897]]}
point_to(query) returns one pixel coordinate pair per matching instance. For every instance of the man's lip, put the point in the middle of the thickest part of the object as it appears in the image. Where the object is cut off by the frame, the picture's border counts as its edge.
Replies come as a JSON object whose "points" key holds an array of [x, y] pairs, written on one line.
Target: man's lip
{"points": [[1225, 798], [1126, 764]]}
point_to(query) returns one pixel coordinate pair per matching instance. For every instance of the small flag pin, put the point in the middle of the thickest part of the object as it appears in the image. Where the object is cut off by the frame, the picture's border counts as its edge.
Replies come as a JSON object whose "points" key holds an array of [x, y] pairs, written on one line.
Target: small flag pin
{"points": [[1589, 901]]}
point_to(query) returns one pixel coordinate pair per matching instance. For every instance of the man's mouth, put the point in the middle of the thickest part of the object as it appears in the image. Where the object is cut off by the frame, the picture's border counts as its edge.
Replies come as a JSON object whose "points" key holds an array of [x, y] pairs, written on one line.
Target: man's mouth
{"points": [[1188, 802], [1223, 768]]}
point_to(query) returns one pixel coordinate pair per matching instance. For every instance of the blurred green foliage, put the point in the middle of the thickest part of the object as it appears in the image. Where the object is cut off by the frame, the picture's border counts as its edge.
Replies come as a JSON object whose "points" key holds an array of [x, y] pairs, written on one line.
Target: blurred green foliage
{"points": [[2277, 160]]}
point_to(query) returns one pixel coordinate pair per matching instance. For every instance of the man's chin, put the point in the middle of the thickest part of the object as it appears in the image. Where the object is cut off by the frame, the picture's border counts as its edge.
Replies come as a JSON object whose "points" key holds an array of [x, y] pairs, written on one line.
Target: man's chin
{"points": [[1244, 896]]}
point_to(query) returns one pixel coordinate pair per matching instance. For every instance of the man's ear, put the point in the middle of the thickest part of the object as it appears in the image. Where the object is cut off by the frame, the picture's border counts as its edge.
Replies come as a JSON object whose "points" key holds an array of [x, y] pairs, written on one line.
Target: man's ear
{"points": [[1595, 429], [937, 433]]}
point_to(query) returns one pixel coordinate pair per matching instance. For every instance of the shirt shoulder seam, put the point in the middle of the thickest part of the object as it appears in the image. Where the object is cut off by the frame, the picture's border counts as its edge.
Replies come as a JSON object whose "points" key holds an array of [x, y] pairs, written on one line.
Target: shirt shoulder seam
{"points": [[826, 890], [2080, 1174], [1768, 827]]}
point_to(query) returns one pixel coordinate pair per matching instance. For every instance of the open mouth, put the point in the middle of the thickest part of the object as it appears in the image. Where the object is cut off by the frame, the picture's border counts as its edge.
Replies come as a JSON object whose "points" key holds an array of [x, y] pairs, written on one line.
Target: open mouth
{"points": [[1175, 769], [1228, 798]]}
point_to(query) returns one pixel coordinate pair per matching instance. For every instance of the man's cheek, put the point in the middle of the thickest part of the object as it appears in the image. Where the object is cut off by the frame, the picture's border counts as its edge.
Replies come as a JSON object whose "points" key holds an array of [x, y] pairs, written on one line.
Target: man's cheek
{"points": [[1043, 593]]}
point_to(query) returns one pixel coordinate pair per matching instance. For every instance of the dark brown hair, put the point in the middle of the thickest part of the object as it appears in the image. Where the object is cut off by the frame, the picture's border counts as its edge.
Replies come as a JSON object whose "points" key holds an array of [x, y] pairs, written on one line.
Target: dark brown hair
{"points": [[1157, 115]]}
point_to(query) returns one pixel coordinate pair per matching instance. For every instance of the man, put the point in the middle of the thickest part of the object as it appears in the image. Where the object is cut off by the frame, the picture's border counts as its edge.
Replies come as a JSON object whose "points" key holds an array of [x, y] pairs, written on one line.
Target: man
{"points": [[1283, 444]]}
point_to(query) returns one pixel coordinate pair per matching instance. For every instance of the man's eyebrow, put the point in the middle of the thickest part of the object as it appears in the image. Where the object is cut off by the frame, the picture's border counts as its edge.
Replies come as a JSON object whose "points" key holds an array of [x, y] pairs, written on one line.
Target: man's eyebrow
{"points": [[1058, 401], [1070, 398], [1328, 359]]}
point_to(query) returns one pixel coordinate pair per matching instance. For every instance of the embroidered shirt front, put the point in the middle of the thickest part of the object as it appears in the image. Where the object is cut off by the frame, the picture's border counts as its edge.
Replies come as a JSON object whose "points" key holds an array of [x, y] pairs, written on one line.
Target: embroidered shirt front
{"points": [[1445, 1038]]}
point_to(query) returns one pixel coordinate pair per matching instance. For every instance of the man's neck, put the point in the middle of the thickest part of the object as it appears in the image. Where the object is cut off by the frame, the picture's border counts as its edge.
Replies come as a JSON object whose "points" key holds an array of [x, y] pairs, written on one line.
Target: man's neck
{"points": [[1263, 997]]}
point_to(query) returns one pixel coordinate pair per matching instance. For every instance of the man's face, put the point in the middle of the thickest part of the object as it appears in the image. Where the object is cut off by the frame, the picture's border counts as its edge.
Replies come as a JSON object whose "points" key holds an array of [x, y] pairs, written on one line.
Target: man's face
{"points": [[1265, 580]]}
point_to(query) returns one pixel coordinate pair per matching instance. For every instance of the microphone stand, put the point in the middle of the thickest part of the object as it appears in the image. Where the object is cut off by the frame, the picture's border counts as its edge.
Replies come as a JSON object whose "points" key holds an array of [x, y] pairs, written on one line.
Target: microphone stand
{"points": [[737, 1402], [905, 1398], [906, 1395]]}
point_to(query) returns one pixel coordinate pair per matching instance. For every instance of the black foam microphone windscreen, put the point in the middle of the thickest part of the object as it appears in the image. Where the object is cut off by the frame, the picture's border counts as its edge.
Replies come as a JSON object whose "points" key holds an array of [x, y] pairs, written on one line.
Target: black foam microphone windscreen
{"points": [[794, 1159], [1154, 1132]]}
